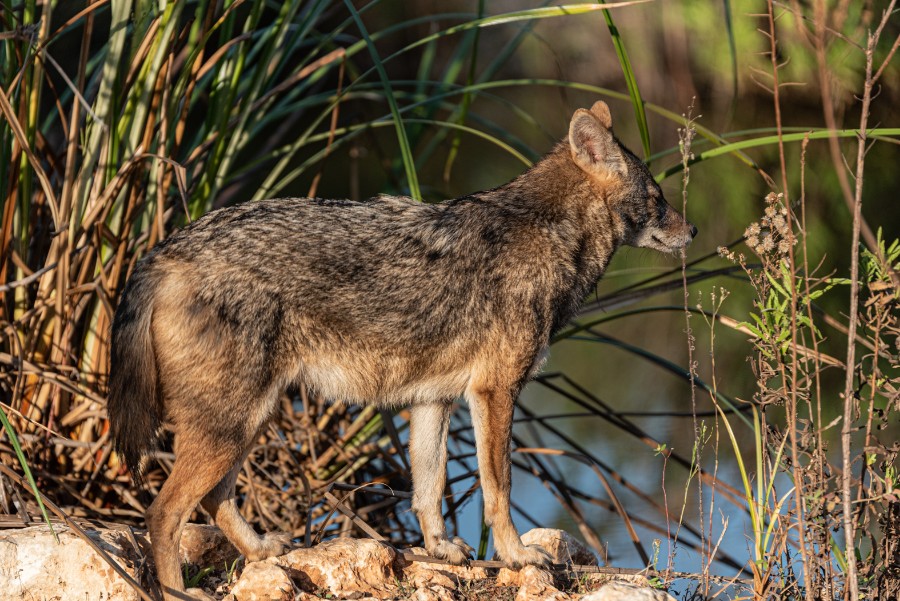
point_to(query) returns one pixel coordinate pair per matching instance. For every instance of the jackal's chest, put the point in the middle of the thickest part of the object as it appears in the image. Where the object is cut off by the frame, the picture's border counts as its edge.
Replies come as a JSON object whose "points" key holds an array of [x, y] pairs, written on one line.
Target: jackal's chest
{"points": [[385, 382]]}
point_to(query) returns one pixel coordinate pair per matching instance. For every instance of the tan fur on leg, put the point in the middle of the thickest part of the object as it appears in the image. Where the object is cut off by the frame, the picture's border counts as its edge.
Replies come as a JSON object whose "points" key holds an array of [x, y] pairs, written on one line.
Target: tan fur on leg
{"points": [[428, 454], [220, 504], [196, 471], [492, 412]]}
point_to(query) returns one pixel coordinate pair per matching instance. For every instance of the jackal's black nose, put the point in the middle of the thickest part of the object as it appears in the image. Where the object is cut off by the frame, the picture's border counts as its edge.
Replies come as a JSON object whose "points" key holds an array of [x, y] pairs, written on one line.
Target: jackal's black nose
{"points": [[693, 231]]}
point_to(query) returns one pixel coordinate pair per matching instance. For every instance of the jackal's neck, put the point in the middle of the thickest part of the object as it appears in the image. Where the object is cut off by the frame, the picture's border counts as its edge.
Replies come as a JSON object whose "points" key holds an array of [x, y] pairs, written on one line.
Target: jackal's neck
{"points": [[556, 190], [572, 231]]}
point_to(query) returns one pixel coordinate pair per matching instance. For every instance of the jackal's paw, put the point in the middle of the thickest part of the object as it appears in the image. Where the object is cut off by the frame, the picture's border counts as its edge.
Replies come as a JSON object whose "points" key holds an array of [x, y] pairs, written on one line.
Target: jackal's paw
{"points": [[456, 551], [459, 542], [271, 544], [521, 556]]}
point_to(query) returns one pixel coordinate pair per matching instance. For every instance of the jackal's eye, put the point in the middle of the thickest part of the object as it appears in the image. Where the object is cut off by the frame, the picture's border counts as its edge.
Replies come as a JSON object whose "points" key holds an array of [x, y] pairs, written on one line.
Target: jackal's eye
{"points": [[656, 203]]}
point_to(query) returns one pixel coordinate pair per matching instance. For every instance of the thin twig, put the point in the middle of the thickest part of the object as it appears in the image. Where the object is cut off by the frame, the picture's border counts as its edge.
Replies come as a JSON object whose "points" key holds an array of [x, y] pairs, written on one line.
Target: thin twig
{"points": [[849, 397]]}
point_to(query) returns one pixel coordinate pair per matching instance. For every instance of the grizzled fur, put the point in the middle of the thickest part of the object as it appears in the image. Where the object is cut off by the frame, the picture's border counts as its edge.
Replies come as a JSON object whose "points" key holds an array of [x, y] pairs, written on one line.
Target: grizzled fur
{"points": [[388, 302]]}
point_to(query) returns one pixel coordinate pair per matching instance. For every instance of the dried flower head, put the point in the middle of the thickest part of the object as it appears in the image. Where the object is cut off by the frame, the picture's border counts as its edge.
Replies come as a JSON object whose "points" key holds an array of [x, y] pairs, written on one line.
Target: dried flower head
{"points": [[725, 253], [779, 223]]}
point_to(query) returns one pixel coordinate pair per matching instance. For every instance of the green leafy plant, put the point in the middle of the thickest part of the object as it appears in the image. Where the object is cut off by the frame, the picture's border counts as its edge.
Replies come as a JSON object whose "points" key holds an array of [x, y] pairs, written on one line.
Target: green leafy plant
{"points": [[193, 576]]}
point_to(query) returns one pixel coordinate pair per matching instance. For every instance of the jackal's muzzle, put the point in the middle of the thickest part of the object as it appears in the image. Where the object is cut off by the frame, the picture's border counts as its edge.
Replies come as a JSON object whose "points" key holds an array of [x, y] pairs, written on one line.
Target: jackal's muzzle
{"points": [[674, 233]]}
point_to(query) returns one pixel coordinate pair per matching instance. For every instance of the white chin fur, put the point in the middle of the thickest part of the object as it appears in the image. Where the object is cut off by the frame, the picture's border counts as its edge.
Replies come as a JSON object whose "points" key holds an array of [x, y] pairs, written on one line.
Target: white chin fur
{"points": [[659, 240]]}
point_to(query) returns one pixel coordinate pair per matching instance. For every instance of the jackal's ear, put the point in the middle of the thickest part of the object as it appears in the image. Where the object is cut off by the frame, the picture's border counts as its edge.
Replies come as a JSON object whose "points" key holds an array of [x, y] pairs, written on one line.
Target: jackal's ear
{"points": [[594, 148], [601, 111]]}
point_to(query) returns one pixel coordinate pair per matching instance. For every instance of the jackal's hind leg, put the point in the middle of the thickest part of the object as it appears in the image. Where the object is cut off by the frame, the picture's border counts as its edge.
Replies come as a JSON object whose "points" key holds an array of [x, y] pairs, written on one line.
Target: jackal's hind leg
{"points": [[199, 466], [220, 504], [428, 453]]}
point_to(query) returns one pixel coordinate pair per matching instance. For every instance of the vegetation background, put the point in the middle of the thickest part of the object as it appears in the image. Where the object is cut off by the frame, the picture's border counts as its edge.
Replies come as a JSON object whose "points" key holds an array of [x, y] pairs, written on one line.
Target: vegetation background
{"points": [[699, 416]]}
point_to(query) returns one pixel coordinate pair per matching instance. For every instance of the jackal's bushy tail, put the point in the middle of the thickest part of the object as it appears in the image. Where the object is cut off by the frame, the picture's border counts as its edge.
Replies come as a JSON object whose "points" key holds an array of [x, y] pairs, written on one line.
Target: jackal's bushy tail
{"points": [[134, 408]]}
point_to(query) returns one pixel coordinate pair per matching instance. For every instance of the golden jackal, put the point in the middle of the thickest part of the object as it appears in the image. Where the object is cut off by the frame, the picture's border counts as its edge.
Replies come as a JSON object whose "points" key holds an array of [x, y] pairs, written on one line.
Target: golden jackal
{"points": [[387, 302]]}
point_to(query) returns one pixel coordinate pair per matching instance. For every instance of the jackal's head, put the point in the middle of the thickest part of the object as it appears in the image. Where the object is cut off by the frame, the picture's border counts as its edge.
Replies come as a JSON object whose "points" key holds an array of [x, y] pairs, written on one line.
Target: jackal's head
{"points": [[644, 217]]}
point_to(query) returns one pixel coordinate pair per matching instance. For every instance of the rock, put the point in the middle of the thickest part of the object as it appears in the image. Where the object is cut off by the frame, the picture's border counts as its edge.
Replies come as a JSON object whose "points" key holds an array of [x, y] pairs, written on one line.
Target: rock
{"points": [[422, 574], [206, 546], [343, 566], [303, 596], [198, 594], [432, 593], [34, 566], [528, 574], [534, 584], [562, 546], [530, 593], [595, 581], [507, 577], [622, 591], [263, 581]]}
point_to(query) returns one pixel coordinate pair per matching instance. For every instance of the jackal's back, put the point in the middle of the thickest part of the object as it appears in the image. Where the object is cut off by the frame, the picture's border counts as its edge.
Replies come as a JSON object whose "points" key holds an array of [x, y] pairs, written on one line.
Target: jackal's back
{"points": [[386, 300], [392, 269]]}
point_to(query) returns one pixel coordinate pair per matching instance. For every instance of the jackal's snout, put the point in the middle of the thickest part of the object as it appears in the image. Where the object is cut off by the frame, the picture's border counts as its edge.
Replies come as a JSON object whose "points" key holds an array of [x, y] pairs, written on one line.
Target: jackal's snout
{"points": [[665, 230], [670, 233]]}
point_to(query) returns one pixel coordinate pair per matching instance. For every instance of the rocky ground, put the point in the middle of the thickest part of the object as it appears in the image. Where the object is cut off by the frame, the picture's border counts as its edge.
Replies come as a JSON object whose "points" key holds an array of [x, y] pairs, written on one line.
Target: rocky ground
{"points": [[34, 566]]}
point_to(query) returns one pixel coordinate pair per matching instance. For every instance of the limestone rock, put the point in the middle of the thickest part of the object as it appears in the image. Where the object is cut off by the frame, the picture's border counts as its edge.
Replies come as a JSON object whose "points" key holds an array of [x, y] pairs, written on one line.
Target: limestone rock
{"points": [[198, 594], [528, 574], [34, 566], [507, 577], [206, 546], [342, 566], [303, 596], [531, 593], [534, 584], [623, 591], [263, 581], [595, 581], [422, 574], [432, 593], [562, 546]]}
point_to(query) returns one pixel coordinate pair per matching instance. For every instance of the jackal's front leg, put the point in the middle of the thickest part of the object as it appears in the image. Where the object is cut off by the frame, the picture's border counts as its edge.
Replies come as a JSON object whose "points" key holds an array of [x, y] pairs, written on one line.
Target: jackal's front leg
{"points": [[428, 453], [492, 413]]}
